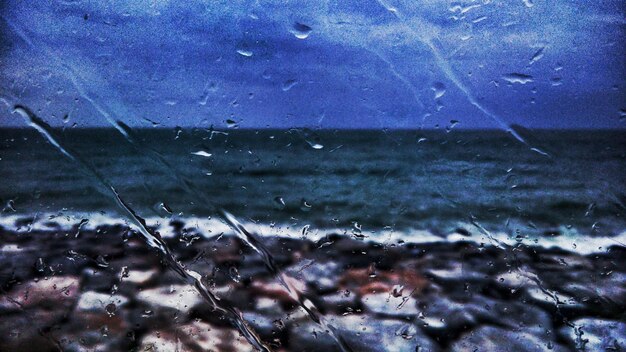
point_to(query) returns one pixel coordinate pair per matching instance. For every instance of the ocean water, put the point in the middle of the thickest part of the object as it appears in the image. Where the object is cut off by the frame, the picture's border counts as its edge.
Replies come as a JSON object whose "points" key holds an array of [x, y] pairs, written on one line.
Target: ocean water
{"points": [[465, 214], [364, 183]]}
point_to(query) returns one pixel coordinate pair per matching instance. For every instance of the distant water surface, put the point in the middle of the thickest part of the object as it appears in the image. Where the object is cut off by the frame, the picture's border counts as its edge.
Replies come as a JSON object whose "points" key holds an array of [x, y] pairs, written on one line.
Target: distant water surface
{"points": [[368, 180]]}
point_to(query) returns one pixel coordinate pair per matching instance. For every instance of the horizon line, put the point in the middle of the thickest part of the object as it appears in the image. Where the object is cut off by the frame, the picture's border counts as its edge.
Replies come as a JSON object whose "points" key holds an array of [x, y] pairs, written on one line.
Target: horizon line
{"points": [[382, 129]]}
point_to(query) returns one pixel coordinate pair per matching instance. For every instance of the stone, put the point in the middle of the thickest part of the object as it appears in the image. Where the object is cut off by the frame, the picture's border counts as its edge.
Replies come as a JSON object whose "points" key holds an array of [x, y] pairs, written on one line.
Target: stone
{"points": [[264, 323], [361, 333], [516, 278], [489, 338], [389, 305], [363, 281], [96, 301], [196, 336], [320, 275], [139, 277], [94, 331], [338, 301], [21, 332], [553, 298], [276, 291], [181, 298], [56, 292], [444, 313], [596, 334], [457, 272], [515, 316]]}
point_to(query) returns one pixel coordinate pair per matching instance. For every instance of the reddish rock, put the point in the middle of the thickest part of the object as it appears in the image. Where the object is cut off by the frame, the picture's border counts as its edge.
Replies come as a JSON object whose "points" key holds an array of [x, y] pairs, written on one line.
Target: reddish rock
{"points": [[57, 292], [196, 336], [366, 281]]}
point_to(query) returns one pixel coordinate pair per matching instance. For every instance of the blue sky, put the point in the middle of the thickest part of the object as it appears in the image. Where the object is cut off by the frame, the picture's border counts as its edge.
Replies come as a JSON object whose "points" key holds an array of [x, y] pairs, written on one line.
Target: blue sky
{"points": [[326, 64]]}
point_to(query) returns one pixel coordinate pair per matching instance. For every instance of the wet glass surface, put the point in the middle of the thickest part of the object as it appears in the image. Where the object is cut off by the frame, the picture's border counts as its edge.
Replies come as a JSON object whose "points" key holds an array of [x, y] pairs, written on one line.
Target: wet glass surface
{"points": [[349, 176]]}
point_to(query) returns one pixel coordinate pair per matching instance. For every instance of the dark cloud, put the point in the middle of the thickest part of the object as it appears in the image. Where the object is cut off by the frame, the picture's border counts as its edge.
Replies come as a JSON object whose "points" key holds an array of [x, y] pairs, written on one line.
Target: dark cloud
{"points": [[200, 63]]}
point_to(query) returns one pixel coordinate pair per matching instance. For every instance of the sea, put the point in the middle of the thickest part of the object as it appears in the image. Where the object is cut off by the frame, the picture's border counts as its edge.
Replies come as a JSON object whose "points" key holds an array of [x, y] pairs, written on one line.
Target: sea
{"points": [[554, 188]]}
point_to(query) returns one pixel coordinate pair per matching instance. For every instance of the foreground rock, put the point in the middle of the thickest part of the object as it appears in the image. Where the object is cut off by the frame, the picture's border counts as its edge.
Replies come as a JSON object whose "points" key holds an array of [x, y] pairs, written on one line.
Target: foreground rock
{"points": [[361, 333], [196, 336], [490, 338], [111, 293], [596, 335]]}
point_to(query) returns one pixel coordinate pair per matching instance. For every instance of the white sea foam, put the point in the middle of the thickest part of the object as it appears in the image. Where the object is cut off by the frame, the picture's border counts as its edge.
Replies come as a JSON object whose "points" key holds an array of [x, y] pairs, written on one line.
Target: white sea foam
{"points": [[570, 239]]}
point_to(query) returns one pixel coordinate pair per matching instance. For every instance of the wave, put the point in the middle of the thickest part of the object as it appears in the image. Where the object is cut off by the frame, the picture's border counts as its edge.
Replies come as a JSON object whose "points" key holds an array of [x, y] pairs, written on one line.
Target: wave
{"points": [[564, 238]]}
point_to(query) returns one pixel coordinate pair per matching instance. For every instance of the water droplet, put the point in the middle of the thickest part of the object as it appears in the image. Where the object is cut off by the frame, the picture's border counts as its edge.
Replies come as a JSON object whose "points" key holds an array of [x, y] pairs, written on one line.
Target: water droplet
{"points": [[537, 56], [304, 205], [230, 123], [110, 309], [397, 290], [407, 331], [301, 31], [288, 84], [102, 262], [40, 265], [124, 273], [202, 153], [82, 223], [371, 270], [244, 52], [279, 324], [314, 145], [519, 78], [177, 131], [280, 202], [10, 206], [234, 274], [529, 3], [453, 123], [439, 89], [153, 123], [165, 208]]}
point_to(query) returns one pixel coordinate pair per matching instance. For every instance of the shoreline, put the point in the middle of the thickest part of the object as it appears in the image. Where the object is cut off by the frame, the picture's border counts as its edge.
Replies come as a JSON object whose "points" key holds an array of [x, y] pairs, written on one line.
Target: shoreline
{"points": [[560, 237]]}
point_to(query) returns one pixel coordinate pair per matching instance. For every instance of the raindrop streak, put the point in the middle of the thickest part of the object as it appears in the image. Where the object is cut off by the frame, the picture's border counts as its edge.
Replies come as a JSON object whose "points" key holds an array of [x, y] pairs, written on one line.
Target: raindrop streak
{"points": [[445, 67], [402, 79], [72, 75], [453, 124], [287, 282], [166, 208], [300, 30], [510, 250], [82, 223], [153, 239], [537, 56], [249, 238]]}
